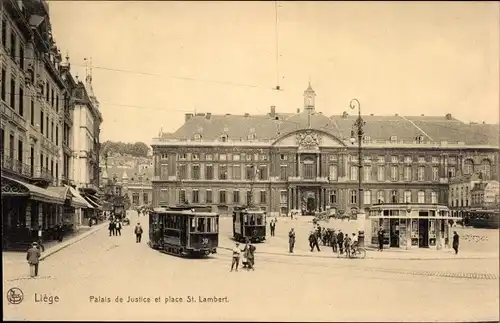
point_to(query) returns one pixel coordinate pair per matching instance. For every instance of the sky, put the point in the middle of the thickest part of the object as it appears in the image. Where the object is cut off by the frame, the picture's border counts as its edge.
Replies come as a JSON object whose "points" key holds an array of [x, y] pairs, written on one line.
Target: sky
{"points": [[155, 61]]}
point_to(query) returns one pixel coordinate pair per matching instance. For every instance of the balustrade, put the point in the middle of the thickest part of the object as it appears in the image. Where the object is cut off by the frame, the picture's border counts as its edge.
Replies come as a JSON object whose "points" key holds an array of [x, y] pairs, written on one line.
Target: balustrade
{"points": [[16, 166]]}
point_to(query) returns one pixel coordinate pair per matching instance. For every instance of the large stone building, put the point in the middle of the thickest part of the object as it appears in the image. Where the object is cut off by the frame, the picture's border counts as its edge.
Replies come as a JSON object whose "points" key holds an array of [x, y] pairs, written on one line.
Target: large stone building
{"points": [[36, 125], [307, 160]]}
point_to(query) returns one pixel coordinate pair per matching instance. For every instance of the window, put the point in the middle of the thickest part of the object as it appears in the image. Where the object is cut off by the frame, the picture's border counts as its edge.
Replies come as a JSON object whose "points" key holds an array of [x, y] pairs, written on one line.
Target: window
{"points": [[420, 139], [283, 172], [332, 157], [201, 225], [182, 171], [451, 171], [420, 173], [333, 172], [182, 156], [182, 197], [57, 103], [32, 112], [394, 138], [452, 160], [196, 196], [52, 130], [333, 196], [367, 197], [407, 196], [209, 172], [222, 197], [21, 101], [145, 198], [394, 196], [394, 159], [408, 159], [486, 169], [209, 157], [12, 91], [435, 174], [394, 173], [381, 159], [236, 196], [13, 44], [248, 157], [135, 198], [308, 169], [263, 197], [407, 173], [47, 126], [222, 157], [223, 138], [236, 171], [283, 157], [262, 173], [421, 197], [353, 158], [4, 33], [208, 196], [354, 173], [249, 197], [283, 197], [381, 173], [21, 56], [41, 123], [380, 197], [196, 171], [354, 197], [421, 159], [195, 157], [4, 80], [197, 136], [57, 135], [249, 172], [222, 171], [435, 160], [367, 173], [20, 151], [434, 198]]}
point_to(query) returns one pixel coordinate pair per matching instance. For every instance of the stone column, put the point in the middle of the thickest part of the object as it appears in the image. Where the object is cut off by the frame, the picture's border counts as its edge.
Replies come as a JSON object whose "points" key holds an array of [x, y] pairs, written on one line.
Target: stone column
{"points": [[289, 199], [317, 166], [28, 215], [297, 164]]}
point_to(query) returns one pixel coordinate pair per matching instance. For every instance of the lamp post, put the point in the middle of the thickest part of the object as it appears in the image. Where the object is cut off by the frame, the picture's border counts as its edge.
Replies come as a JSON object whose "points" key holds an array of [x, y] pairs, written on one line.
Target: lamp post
{"points": [[359, 129]]}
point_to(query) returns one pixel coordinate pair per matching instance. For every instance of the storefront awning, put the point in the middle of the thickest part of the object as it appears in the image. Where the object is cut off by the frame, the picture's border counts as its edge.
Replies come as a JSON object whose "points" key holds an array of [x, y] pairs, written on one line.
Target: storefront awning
{"points": [[94, 200], [416, 217], [13, 187], [77, 201], [91, 202]]}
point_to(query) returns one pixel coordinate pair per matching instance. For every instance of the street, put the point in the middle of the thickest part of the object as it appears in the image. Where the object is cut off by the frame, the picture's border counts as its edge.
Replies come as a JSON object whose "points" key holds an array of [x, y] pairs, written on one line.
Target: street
{"points": [[88, 276]]}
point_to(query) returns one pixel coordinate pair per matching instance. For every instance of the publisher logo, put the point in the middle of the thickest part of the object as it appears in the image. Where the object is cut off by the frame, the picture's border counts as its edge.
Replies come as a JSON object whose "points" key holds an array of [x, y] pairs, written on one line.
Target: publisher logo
{"points": [[15, 296]]}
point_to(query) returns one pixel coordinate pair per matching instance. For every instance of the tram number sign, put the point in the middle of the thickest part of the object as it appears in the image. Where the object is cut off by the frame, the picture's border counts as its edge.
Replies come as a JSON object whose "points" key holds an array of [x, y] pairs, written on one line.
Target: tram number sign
{"points": [[204, 241]]}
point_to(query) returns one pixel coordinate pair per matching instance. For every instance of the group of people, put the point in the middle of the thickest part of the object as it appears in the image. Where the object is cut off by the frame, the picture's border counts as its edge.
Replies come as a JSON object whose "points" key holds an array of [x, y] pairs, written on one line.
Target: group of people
{"points": [[340, 242], [248, 260], [115, 227]]}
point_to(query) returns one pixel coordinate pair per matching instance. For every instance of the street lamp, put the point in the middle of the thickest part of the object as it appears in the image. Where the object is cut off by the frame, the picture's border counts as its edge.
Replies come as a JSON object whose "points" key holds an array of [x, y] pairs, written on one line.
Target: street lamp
{"points": [[359, 127]]}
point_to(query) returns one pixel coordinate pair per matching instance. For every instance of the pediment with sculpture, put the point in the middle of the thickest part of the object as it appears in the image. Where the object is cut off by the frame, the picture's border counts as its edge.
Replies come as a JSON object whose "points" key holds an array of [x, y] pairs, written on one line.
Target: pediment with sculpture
{"points": [[308, 139]]}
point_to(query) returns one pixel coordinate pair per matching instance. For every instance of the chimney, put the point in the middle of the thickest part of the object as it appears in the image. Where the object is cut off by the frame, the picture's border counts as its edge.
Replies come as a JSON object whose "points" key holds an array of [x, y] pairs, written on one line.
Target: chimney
{"points": [[298, 110], [448, 116], [422, 115], [345, 114], [188, 116], [247, 114], [208, 115], [273, 110]]}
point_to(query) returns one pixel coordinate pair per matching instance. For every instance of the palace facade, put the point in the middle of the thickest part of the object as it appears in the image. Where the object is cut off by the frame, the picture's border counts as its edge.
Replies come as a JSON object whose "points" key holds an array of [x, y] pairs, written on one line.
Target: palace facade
{"points": [[307, 160]]}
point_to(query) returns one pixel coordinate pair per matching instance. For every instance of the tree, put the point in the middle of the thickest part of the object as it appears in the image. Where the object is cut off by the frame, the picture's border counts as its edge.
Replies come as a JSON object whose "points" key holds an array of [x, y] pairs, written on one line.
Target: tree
{"points": [[138, 149]]}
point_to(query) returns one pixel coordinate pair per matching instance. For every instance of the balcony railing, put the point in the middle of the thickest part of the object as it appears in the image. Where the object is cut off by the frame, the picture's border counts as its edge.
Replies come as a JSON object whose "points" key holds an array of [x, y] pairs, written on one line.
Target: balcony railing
{"points": [[16, 166], [42, 173], [13, 116]]}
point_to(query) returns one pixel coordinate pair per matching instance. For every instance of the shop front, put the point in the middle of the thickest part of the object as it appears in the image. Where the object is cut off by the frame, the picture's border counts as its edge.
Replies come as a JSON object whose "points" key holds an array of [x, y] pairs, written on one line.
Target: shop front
{"points": [[27, 212], [411, 226]]}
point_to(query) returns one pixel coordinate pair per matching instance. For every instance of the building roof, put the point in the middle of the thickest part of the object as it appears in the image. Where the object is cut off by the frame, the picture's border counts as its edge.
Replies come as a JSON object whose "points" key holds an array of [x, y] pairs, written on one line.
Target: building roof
{"points": [[131, 174], [267, 127]]}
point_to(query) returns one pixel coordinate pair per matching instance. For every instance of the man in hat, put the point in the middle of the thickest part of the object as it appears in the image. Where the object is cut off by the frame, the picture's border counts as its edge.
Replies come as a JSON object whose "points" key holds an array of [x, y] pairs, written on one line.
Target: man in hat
{"points": [[138, 232], [236, 256], [33, 257]]}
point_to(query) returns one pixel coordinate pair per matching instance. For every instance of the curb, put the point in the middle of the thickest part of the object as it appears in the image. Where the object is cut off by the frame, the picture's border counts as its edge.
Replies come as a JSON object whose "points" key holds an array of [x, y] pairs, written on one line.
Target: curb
{"points": [[56, 249], [367, 257]]}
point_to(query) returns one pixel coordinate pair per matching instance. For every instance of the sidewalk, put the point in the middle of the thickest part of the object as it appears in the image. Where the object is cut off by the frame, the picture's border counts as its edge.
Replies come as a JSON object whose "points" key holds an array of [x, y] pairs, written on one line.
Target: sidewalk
{"points": [[53, 247]]}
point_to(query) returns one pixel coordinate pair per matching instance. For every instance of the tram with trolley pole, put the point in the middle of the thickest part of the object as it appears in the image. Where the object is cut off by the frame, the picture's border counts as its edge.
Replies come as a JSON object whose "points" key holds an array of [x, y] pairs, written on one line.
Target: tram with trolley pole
{"points": [[184, 230], [249, 223]]}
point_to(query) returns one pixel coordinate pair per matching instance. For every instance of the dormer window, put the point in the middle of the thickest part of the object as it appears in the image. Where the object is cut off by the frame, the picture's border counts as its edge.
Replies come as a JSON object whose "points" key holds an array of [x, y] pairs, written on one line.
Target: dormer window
{"points": [[394, 138], [197, 136], [224, 138], [251, 136], [366, 138], [420, 139]]}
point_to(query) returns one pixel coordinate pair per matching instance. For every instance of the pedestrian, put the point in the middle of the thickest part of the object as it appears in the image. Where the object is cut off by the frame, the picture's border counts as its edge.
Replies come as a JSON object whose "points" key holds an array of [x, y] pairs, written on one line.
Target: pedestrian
{"points": [[333, 241], [60, 232], [236, 257], [456, 241], [138, 233], [249, 255], [33, 257], [380, 237], [118, 228], [313, 241], [340, 241], [111, 228], [347, 245], [291, 240], [272, 226]]}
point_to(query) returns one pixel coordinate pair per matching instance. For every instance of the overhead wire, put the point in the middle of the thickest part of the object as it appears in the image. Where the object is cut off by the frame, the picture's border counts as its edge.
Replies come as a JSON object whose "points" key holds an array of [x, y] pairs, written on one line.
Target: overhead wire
{"points": [[277, 46]]}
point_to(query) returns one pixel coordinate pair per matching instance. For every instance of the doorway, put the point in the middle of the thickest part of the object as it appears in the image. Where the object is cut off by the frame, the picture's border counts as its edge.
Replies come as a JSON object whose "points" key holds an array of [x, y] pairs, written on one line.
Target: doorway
{"points": [[311, 205], [423, 231], [394, 238]]}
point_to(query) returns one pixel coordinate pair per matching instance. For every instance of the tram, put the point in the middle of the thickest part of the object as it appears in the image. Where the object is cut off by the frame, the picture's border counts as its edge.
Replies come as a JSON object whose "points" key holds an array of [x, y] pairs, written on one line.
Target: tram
{"points": [[184, 231], [249, 223]]}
